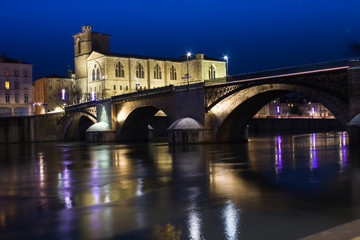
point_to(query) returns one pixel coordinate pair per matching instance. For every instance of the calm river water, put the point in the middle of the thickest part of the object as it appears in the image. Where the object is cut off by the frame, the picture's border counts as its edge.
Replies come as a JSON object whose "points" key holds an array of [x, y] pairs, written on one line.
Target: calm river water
{"points": [[273, 187]]}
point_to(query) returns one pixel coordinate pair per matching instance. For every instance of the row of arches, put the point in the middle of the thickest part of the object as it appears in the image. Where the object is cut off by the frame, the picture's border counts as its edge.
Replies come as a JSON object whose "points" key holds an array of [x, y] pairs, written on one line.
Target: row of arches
{"points": [[157, 72], [228, 118]]}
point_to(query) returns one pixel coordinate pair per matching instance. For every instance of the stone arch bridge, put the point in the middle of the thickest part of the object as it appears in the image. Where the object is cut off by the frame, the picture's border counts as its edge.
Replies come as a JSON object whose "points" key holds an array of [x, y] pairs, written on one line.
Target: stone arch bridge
{"points": [[223, 107]]}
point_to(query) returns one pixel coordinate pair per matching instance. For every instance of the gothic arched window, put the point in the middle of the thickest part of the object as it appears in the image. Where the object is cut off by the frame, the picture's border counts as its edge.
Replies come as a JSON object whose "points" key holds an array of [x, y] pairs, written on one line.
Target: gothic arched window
{"points": [[211, 72], [157, 72], [172, 73], [78, 45], [119, 70], [93, 74], [139, 71], [97, 74]]}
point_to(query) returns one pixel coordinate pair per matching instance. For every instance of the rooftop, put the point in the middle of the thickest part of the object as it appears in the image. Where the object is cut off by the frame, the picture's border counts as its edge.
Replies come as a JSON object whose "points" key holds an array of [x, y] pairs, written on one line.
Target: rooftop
{"points": [[5, 59]]}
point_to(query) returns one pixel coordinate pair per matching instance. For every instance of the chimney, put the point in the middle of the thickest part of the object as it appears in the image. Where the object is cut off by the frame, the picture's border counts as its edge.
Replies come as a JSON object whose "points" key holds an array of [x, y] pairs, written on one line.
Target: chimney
{"points": [[86, 28], [200, 56]]}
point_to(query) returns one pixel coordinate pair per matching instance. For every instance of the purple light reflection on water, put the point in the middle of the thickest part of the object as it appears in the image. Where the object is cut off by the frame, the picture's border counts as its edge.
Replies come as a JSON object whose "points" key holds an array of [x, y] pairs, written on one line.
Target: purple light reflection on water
{"points": [[313, 156], [278, 155]]}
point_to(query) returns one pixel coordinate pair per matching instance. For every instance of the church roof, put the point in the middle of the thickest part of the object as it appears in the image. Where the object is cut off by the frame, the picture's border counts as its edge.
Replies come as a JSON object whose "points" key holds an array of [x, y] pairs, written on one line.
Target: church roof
{"points": [[181, 59], [142, 57], [55, 76]]}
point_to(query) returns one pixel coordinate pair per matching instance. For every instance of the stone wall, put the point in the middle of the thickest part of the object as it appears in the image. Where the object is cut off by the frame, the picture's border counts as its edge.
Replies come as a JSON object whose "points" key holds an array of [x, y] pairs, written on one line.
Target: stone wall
{"points": [[31, 129], [271, 125]]}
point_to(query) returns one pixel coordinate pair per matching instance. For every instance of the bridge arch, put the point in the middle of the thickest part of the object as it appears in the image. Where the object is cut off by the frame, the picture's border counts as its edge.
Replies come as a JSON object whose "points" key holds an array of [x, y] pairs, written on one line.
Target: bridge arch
{"points": [[230, 116], [75, 125], [134, 125]]}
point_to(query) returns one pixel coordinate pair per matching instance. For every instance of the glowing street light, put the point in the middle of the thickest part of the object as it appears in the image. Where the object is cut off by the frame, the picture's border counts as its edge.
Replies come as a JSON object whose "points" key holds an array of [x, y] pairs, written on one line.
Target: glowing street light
{"points": [[188, 54], [92, 95], [63, 94], [226, 58]]}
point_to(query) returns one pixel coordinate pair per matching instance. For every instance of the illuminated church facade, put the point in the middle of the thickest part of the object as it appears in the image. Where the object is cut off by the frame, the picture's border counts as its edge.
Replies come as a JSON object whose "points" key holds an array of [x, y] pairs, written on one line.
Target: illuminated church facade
{"points": [[101, 74]]}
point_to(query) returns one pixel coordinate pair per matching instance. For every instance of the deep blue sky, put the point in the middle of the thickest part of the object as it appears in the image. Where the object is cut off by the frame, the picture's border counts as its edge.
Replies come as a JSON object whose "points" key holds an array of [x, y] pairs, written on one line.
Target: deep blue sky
{"points": [[256, 34]]}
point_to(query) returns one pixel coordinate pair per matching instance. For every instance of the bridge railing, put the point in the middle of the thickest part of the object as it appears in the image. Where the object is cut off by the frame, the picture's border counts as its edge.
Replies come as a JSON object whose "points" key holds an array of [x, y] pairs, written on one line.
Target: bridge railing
{"points": [[215, 81], [143, 93], [77, 107]]}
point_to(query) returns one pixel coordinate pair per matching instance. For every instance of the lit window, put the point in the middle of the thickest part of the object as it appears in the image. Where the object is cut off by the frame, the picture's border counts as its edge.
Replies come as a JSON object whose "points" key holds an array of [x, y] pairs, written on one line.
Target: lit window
{"points": [[7, 85], [7, 73], [119, 70], [172, 73], [157, 72], [139, 71], [212, 72]]}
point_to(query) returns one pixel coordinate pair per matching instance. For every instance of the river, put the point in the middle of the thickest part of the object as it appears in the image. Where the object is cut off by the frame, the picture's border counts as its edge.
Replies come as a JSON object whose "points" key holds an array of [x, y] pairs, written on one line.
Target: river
{"points": [[273, 187]]}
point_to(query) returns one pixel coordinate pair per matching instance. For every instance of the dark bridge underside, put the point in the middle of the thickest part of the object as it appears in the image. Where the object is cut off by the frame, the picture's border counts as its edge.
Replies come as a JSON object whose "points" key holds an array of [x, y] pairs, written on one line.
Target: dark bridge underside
{"points": [[333, 82], [232, 129]]}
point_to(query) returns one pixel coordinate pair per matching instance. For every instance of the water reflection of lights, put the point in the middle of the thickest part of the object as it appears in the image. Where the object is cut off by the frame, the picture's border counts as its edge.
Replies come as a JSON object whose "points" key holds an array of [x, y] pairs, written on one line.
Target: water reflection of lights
{"points": [[65, 185], [41, 169], [278, 155], [139, 187], [343, 152], [231, 219], [194, 223], [313, 156]]}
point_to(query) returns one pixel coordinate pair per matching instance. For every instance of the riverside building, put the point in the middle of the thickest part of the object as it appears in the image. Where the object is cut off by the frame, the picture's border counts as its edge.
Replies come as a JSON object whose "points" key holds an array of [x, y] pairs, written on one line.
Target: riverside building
{"points": [[52, 93], [15, 87], [102, 74]]}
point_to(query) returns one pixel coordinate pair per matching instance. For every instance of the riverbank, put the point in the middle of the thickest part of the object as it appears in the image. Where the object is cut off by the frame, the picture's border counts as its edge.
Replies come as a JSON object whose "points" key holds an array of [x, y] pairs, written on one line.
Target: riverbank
{"points": [[293, 125]]}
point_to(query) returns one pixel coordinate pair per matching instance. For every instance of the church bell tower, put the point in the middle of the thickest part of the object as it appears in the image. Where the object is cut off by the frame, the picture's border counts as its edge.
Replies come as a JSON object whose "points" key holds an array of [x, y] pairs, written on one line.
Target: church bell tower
{"points": [[85, 43]]}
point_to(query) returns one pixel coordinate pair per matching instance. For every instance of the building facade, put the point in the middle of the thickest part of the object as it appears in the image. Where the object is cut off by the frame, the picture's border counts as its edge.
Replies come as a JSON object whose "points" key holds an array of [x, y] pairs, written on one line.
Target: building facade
{"points": [[101, 74], [277, 108], [53, 93], [16, 90]]}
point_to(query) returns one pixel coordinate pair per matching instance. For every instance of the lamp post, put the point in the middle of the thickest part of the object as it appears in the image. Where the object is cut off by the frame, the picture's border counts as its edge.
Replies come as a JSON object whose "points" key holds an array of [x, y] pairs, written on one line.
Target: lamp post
{"points": [[188, 54], [63, 94], [226, 58]]}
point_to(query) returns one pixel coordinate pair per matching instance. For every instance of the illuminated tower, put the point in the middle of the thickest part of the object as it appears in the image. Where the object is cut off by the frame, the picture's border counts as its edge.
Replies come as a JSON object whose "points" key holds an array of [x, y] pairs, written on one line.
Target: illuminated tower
{"points": [[84, 43]]}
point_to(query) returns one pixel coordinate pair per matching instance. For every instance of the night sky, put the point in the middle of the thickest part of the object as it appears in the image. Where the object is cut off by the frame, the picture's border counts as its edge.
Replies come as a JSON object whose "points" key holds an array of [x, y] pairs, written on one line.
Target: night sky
{"points": [[255, 34]]}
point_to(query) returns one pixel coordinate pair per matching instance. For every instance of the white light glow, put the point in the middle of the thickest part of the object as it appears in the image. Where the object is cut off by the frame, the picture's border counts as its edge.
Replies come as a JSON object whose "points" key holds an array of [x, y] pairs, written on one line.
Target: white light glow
{"points": [[231, 219], [63, 94]]}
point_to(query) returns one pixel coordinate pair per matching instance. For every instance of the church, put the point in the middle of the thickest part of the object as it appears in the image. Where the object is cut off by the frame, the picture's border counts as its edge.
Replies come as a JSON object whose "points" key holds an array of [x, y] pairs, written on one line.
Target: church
{"points": [[101, 74]]}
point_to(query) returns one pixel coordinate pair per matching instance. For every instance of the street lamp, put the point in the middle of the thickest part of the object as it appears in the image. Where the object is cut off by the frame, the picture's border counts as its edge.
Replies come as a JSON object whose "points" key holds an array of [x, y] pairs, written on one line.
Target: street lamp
{"points": [[63, 94], [226, 58], [188, 54]]}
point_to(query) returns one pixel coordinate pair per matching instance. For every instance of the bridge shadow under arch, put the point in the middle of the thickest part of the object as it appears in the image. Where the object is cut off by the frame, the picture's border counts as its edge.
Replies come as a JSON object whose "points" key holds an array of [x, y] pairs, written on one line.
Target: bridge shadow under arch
{"points": [[140, 123], [231, 115], [75, 125]]}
